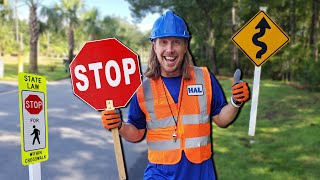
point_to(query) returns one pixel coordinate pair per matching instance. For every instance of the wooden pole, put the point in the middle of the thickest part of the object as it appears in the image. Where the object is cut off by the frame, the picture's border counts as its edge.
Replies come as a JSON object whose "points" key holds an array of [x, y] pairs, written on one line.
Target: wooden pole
{"points": [[117, 146]]}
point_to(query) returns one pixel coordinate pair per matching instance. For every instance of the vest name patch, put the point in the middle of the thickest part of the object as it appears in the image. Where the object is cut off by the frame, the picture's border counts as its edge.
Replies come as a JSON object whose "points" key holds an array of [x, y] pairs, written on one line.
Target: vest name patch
{"points": [[195, 90]]}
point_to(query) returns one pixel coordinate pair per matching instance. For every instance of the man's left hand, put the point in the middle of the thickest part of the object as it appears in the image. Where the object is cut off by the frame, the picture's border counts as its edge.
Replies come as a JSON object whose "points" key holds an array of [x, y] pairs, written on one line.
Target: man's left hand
{"points": [[240, 92]]}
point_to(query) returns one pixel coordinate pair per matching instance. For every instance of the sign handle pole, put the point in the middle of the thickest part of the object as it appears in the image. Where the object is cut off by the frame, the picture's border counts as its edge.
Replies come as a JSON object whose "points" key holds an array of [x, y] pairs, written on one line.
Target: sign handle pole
{"points": [[35, 171], [254, 103], [117, 146]]}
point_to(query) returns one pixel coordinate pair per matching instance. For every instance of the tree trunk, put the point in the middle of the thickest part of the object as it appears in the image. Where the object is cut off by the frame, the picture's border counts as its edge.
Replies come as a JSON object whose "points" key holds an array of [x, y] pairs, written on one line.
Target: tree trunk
{"points": [[92, 37], [292, 19], [210, 42], [34, 28], [212, 49], [214, 61], [314, 28], [292, 35], [211, 52], [70, 42], [48, 44], [235, 52]]}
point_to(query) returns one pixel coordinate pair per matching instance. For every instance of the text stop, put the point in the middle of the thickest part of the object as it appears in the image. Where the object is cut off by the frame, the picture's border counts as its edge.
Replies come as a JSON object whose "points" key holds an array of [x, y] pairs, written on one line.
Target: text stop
{"points": [[128, 66]]}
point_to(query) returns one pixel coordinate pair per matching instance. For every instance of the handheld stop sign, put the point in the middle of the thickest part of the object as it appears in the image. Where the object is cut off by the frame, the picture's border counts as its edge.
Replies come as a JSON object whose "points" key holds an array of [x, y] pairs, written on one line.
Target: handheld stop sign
{"points": [[106, 73], [105, 70]]}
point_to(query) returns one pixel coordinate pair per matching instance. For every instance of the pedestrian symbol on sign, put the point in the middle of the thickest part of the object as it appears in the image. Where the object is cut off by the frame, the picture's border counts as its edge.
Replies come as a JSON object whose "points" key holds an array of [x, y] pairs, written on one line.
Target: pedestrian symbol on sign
{"points": [[36, 133]]}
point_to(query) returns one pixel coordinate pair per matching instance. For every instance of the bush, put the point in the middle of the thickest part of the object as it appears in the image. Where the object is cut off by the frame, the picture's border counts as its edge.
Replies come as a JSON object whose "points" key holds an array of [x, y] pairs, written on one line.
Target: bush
{"points": [[308, 74]]}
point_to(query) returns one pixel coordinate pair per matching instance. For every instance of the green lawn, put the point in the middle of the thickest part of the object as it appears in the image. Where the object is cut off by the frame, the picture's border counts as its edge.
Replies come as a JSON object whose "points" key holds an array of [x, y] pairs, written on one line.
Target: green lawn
{"points": [[52, 69], [286, 142]]}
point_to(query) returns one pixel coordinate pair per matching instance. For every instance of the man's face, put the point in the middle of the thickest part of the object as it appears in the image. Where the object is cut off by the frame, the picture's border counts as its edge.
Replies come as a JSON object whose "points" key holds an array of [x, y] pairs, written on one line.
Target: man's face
{"points": [[170, 52]]}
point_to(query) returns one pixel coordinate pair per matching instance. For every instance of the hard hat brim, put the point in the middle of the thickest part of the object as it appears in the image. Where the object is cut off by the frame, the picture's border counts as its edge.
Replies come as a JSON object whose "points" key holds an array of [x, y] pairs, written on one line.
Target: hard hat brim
{"points": [[170, 35]]}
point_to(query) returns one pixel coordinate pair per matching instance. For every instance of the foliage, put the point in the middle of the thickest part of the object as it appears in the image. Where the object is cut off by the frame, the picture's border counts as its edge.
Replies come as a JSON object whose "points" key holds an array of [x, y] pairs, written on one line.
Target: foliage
{"points": [[67, 25], [54, 24], [211, 25], [91, 23], [308, 74], [8, 43], [65, 16]]}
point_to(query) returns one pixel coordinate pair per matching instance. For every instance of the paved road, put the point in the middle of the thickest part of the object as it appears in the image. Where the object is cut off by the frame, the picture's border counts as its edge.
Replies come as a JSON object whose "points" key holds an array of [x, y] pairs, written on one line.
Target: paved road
{"points": [[79, 148]]}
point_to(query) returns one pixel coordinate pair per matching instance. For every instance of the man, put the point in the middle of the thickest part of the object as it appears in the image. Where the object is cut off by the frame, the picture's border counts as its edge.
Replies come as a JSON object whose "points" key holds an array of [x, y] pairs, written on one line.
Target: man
{"points": [[174, 107]]}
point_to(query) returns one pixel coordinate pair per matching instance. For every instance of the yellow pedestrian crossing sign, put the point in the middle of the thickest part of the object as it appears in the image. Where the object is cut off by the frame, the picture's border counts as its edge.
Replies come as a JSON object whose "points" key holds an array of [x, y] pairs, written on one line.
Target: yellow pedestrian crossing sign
{"points": [[260, 38], [33, 118]]}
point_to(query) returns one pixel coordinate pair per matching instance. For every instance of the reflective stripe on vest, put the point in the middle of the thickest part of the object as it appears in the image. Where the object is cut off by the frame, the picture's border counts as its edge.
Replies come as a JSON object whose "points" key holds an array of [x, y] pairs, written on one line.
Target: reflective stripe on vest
{"points": [[197, 141], [193, 121], [164, 145], [148, 96], [186, 119], [169, 144]]}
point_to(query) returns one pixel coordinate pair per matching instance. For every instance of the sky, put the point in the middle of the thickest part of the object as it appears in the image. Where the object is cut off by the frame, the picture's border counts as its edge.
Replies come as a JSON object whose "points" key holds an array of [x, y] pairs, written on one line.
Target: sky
{"points": [[119, 8]]}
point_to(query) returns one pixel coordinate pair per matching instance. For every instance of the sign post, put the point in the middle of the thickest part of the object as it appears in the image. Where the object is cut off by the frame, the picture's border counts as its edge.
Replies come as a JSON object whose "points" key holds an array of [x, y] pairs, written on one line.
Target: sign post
{"points": [[1, 68], [33, 122], [254, 103], [106, 73], [259, 39]]}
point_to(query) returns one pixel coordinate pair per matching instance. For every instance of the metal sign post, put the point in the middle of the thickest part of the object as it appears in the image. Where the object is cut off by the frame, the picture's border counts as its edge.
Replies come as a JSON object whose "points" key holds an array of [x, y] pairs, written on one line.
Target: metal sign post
{"points": [[254, 103], [35, 171]]}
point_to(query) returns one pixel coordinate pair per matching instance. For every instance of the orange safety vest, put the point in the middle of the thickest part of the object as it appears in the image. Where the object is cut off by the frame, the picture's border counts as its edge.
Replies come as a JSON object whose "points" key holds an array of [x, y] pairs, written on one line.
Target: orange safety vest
{"points": [[193, 123]]}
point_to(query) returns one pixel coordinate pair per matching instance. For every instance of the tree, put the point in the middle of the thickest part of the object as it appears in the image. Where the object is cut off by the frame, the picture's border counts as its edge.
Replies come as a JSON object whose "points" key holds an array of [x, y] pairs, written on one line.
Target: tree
{"points": [[4, 2], [6, 35], [314, 28], [123, 31], [235, 26], [205, 23], [34, 31], [91, 23], [65, 15]]}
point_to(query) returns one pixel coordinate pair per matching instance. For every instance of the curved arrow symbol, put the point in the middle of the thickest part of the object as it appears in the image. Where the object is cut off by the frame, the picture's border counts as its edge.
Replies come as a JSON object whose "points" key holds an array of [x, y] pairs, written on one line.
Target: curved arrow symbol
{"points": [[262, 25]]}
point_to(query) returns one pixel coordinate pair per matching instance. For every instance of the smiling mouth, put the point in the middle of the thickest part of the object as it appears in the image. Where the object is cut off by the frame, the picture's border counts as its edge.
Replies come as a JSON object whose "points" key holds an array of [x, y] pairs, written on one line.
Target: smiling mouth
{"points": [[169, 58]]}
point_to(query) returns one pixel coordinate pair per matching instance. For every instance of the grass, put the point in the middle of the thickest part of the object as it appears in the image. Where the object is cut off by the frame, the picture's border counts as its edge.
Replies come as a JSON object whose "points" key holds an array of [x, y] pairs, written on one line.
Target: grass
{"points": [[286, 142], [51, 68]]}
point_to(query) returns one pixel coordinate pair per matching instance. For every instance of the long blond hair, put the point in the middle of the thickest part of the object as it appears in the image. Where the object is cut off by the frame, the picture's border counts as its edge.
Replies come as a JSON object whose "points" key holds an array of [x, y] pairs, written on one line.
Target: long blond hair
{"points": [[154, 68]]}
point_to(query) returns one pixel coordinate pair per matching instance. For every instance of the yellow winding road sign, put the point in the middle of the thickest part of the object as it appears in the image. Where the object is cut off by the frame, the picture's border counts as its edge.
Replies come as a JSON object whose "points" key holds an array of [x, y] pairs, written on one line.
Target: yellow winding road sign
{"points": [[260, 38]]}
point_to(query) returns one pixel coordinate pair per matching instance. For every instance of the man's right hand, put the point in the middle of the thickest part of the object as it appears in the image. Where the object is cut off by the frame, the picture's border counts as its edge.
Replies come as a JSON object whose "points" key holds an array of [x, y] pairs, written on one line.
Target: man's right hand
{"points": [[111, 119]]}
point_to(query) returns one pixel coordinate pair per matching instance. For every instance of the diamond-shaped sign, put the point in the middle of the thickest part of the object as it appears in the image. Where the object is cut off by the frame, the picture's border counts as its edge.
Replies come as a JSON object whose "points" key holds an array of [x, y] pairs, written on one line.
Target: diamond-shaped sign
{"points": [[260, 38]]}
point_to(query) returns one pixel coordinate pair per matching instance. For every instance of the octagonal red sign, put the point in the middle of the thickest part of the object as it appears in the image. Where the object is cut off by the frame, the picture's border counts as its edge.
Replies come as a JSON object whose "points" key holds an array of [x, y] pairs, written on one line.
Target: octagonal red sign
{"points": [[105, 70], [33, 104]]}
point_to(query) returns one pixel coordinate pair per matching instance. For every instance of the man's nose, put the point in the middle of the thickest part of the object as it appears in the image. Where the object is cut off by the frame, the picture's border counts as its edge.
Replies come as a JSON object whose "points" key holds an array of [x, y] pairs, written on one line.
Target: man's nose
{"points": [[170, 48]]}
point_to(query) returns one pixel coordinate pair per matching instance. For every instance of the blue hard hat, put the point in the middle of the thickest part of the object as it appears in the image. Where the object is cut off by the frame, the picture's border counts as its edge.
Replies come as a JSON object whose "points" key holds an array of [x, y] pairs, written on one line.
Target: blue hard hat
{"points": [[168, 25]]}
